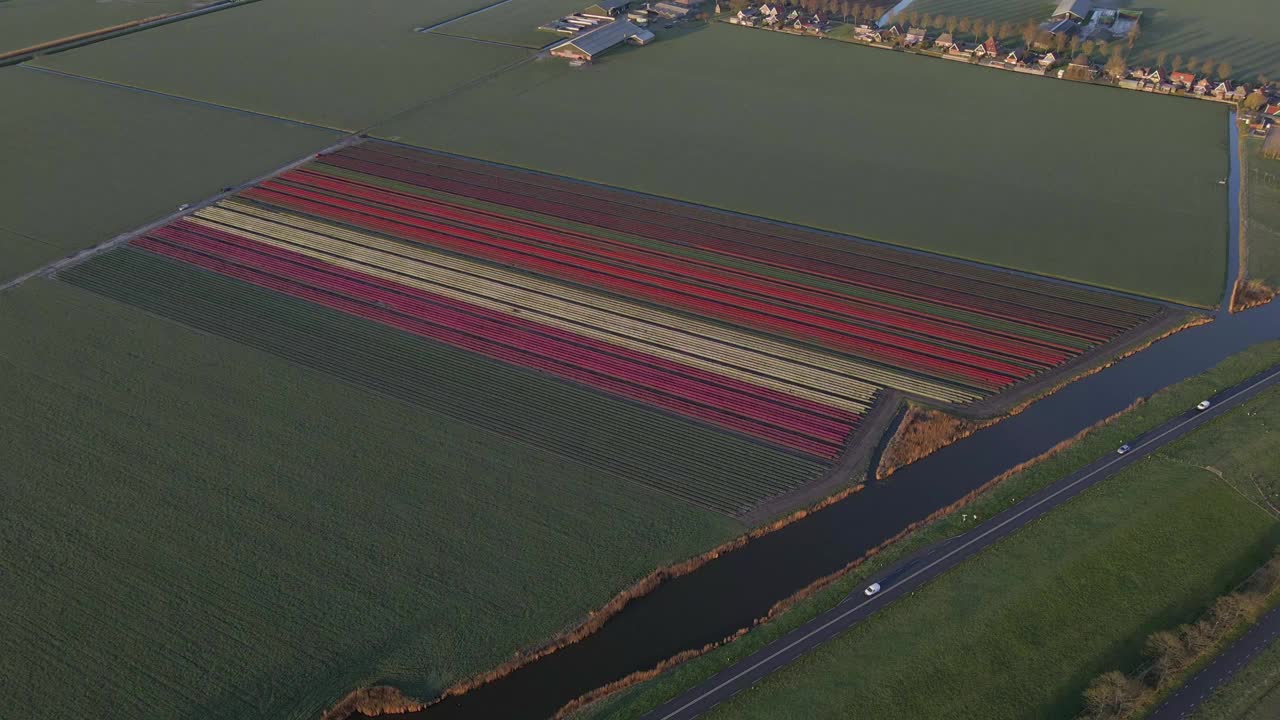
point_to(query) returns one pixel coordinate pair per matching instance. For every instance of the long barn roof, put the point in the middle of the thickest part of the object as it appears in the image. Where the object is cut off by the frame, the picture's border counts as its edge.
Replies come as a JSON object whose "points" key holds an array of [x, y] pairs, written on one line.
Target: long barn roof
{"points": [[594, 42], [1079, 8]]}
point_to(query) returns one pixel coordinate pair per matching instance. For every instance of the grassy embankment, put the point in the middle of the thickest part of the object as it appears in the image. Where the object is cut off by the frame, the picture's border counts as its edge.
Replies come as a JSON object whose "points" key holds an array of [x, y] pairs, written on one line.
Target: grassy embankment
{"points": [[1260, 224], [1095, 443], [84, 161], [328, 62], [24, 23], [884, 165], [515, 22], [197, 529]]}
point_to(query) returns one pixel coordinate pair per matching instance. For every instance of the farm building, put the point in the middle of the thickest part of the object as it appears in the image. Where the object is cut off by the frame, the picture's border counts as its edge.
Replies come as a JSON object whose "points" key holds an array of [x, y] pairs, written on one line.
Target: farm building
{"points": [[1271, 146], [606, 8], [1072, 10], [590, 44]]}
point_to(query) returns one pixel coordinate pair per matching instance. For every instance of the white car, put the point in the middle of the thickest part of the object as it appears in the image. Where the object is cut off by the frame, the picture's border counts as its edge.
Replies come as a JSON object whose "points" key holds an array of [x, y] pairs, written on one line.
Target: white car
{"points": [[872, 589], [1123, 449], [1204, 405]]}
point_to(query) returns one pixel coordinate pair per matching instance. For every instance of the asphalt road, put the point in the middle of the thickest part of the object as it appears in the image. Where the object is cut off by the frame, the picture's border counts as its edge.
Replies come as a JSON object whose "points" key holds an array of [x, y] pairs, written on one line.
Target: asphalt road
{"points": [[915, 571], [1224, 667]]}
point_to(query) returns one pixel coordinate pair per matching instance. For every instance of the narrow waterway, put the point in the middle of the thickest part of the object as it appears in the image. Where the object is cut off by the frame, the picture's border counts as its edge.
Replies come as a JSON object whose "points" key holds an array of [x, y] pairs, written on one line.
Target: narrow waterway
{"points": [[732, 591]]}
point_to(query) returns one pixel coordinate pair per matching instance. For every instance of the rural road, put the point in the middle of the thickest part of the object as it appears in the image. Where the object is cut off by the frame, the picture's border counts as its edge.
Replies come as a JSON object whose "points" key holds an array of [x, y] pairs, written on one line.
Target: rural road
{"points": [[914, 572], [1224, 667]]}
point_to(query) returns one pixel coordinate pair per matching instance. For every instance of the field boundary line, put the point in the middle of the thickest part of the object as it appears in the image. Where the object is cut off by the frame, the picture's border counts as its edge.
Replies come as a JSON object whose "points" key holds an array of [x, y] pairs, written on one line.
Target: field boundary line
{"points": [[50, 269]]}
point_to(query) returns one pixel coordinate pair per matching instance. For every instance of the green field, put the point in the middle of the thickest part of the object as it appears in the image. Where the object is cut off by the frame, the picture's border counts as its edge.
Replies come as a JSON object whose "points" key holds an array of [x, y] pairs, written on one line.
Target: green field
{"points": [[1261, 177], [85, 161], [336, 63], [1019, 630], [1015, 11], [940, 156], [515, 22], [197, 529], [24, 23], [1253, 694], [1242, 32], [632, 704]]}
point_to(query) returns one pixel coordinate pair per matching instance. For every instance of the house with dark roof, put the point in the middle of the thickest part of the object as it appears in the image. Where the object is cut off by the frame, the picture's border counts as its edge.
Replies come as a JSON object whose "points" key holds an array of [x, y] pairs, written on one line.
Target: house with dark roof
{"points": [[1065, 26], [990, 48], [590, 44], [1072, 10]]}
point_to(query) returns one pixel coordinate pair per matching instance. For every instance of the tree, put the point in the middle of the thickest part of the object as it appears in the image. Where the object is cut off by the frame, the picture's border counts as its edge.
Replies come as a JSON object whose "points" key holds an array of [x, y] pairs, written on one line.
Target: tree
{"points": [[1134, 34], [1209, 66], [1197, 636], [1227, 612], [1193, 64], [1103, 47], [1161, 57], [1116, 67], [952, 24], [926, 20], [1177, 62], [1087, 48], [1059, 42], [964, 25], [1029, 32], [1224, 71], [1076, 43], [1168, 654], [914, 18], [990, 29], [1112, 695]]}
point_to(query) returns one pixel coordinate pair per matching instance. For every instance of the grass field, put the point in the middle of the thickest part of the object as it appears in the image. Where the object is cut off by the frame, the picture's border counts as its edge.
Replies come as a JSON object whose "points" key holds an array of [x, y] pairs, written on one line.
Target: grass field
{"points": [[515, 22], [1241, 32], [1253, 694], [335, 63], [970, 181], [1020, 630], [1172, 401], [84, 161], [1262, 221], [1015, 11], [195, 529], [24, 23]]}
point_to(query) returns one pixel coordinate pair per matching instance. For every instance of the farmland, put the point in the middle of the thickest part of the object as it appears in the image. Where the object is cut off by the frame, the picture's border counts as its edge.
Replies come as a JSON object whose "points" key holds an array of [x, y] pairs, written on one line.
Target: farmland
{"points": [[328, 62], [515, 22], [1014, 11], [1261, 177], [24, 23], [884, 165], [1061, 601], [778, 334], [196, 529], [72, 179]]}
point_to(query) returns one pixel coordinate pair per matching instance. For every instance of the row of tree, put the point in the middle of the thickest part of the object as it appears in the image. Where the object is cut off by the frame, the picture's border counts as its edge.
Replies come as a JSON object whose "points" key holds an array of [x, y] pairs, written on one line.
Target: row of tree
{"points": [[1117, 695]]}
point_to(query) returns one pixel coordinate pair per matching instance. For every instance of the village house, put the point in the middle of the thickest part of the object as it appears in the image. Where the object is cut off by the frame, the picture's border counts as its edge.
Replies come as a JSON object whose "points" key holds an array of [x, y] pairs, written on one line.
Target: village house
{"points": [[1183, 80], [1080, 69], [1016, 57], [1240, 93], [1065, 27], [747, 16], [1203, 86], [1155, 77], [915, 36], [815, 23], [989, 49], [670, 9], [945, 43], [868, 33], [1049, 60], [1223, 90]]}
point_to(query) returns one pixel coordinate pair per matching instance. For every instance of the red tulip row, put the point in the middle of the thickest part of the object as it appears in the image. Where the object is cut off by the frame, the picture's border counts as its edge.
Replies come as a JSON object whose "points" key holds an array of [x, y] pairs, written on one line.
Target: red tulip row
{"points": [[801, 425], [1052, 302]]}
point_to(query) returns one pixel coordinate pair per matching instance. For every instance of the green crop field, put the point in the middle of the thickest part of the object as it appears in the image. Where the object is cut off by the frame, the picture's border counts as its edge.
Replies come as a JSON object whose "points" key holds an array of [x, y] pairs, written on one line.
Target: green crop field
{"points": [[1253, 694], [1016, 11], [335, 63], [1020, 630], [515, 22], [1261, 177], [195, 529], [938, 156], [86, 161], [24, 23]]}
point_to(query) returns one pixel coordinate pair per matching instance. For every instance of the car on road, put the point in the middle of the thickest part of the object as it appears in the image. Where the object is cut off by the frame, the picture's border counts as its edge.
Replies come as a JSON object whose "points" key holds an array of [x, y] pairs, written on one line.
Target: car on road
{"points": [[1123, 449], [872, 589], [183, 206], [1204, 405]]}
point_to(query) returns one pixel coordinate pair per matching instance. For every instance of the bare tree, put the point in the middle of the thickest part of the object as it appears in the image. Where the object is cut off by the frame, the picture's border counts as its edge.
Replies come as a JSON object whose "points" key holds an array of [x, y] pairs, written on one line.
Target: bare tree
{"points": [[1177, 62], [1134, 34], [1029, 32], [1116, 67], [952, 23], [1113, 695], [1209, 66], [1161, 57], [1168, 654], [964, 25], [1224, 71]]}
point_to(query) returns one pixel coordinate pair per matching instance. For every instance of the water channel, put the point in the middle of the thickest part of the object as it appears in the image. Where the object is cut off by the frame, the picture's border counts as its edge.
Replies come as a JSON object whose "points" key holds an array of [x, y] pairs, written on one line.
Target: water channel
{"points": [[734, 590]]}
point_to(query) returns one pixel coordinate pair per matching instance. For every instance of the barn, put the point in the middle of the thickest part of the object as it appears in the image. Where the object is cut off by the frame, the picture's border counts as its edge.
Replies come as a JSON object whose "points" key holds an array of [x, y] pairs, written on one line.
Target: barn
{"points": [[590, 44]]}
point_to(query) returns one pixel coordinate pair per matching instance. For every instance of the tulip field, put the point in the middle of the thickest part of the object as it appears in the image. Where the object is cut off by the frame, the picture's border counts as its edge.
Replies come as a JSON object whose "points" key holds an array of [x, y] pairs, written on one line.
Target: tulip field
{"points": [[779, 336]]}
